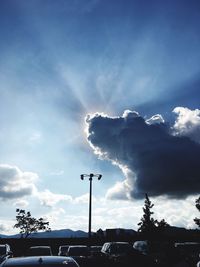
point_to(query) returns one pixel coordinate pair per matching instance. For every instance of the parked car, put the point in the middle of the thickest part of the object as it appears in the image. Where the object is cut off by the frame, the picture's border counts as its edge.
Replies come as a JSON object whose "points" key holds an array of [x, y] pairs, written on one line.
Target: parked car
{"points": [[123, 254], [80, 254], [115, 249], [96, 257], [53, 261], [189, 252], [142, 246], [95, 251], [62, 251], [39, 251], [78, 250], [5, 252], [198, 263]]}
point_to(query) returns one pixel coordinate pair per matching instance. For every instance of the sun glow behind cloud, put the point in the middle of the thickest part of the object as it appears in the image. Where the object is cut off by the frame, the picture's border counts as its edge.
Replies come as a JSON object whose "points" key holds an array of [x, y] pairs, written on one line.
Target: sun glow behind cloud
{"points": [[61, 60]]}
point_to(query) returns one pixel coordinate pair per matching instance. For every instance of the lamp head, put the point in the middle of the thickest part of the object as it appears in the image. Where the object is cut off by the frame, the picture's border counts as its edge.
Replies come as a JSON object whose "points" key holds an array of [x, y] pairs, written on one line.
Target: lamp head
{"points": [[99, 177], [82, 176]]}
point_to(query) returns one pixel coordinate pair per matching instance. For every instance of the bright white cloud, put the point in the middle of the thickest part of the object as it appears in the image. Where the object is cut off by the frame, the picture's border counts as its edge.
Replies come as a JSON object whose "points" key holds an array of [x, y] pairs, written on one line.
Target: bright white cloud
{"points": [[155, 119], [15, 183], [60, 219], [119, 191], [83, 199], [128, 114], [187, 123], [54, 217], [50, 199], [177, 213], [6, 227]]}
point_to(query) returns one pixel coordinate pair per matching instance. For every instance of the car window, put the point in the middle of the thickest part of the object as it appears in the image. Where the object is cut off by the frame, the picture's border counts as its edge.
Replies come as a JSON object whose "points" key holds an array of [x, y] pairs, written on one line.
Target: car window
{"points": [[2, 250], [39, 251], [78, 251]]}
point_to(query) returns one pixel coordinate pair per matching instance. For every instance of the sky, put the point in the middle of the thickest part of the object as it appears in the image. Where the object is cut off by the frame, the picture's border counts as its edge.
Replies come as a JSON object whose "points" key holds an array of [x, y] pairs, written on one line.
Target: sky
{"points": [[105, 87]]}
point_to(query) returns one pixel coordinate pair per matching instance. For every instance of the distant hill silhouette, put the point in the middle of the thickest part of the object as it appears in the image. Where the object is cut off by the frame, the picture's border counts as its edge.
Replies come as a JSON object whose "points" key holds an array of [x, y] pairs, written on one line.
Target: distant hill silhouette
{"points": [[63, 233], [171, 232]]}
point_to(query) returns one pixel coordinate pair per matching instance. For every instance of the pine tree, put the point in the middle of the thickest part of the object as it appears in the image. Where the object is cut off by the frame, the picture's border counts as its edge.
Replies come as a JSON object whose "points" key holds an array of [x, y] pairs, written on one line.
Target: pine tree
{"points": [[147, 224], [161, 225]]}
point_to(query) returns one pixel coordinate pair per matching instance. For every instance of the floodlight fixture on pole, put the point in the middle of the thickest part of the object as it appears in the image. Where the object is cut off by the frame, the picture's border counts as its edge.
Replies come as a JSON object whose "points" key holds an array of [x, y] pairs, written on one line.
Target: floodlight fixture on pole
{"points": [[91, 175]]}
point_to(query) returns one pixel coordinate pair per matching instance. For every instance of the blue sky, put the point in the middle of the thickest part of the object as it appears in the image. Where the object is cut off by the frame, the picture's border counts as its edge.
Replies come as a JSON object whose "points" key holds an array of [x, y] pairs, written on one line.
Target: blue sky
{"points": [[62, 60]]}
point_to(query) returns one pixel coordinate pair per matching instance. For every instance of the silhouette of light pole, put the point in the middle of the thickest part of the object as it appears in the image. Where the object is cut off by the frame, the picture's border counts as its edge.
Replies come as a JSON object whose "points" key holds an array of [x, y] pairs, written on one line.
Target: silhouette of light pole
{"points": [[91, 175]]}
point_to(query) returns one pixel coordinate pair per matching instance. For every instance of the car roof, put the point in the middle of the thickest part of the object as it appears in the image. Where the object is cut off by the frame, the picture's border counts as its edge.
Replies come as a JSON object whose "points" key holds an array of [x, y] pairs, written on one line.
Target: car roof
{"points": [[38, 260], [117, 242], [78, 246], [33, 247]]}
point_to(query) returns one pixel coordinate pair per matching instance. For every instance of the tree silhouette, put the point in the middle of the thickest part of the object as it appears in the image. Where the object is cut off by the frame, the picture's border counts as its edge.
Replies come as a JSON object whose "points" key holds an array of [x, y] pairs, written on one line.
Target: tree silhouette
{"points": [[147, 223], [197, 220], [161, 224], [28, 224], [100, 233]]}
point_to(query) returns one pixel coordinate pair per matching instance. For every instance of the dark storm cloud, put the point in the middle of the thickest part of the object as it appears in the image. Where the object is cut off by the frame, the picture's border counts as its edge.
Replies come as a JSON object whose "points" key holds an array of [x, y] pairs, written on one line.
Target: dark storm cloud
{"points": [[161, 162]]}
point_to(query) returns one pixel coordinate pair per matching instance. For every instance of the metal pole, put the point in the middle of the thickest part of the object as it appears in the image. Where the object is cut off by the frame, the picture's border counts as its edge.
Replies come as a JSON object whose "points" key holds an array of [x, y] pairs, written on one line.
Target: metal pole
{"points": [[91, 175], [90, 208]]}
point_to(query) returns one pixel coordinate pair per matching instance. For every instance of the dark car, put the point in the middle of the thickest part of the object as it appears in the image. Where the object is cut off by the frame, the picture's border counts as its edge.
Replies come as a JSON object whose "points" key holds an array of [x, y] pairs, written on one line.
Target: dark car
{"points": [[5, 252], [39, 251], [95, 251], [80, 254], [142, 246], [115, 249], [123, 254], [78, 250], [189, 252], [52, 261]]}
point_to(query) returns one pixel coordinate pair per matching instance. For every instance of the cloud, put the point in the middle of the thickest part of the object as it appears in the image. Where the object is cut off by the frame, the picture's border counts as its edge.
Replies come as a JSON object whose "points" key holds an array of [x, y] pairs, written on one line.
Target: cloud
{"points": [[54, 216], [15, 183], [83, 199], [179, 213], [153, 157], [187, 123], [50, 199], [21, 203], [3, 228]]}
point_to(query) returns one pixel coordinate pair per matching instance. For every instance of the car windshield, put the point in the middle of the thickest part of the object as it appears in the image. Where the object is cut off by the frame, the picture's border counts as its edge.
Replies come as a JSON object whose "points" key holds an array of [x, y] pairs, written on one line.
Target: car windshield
{"points": [[39, 252], [78, 251], [95, 248], [121, 248], [2, 250], [64, 249]]}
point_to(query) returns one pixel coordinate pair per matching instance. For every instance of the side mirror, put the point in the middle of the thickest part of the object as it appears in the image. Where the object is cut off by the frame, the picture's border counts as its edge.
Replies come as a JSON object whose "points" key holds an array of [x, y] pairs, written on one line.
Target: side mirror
{"points": [[10, 253]]}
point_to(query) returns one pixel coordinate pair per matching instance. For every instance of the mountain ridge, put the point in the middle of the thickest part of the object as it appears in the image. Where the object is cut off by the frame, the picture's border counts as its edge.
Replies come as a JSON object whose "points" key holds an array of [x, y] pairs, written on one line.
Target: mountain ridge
{"points": [[61, 233]]}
